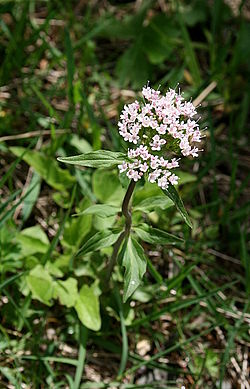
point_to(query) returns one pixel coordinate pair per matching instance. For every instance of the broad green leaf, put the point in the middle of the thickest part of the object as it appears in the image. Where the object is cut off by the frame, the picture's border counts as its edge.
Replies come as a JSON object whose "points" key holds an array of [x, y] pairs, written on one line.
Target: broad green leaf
{"points": [[102, 210], [103, 223], [33, 240], [87, 307], [41, 284], [152, 203], [37, 233], [95, 159], [172, 193], [66, 291], [107, 187], [53, 269], [100, 240], [159, 38], [154, 235], [135, 265], [47, 167], [133, 65], [30, 262]]}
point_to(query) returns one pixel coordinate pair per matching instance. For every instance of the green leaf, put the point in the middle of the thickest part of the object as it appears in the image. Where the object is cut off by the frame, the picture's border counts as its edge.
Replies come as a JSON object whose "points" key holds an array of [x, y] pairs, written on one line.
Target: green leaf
{"points": [[41, 284], [103, 223], [80, 144], [53, 269], [66, 291], [87, 308], [107, 187], [34, 188], [154, 235], [47, 167], [157, 43], [100, 240], [135, 264], [102, 210], [36, 232], [77, 228], [152, 203], [96, 159], [172, 193], [32, 240], [133, 65]]}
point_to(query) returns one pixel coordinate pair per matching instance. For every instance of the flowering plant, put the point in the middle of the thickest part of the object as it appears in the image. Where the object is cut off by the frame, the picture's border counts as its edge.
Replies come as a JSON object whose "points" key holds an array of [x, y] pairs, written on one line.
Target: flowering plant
{"points": [[163, 124], [160, 130]]}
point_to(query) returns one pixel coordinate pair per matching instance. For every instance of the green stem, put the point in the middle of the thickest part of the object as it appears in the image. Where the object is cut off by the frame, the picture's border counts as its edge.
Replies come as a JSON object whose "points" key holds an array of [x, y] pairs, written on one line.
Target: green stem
{"points": [[83, 336], [125, 206], [128, 222]]}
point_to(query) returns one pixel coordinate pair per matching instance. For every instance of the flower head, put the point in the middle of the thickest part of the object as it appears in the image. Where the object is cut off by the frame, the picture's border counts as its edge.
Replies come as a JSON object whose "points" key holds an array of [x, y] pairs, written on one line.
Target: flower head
{"points": [[160, 126]]}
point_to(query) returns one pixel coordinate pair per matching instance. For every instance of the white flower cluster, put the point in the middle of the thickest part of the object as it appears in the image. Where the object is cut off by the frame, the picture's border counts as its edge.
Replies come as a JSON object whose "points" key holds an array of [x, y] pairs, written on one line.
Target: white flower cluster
{"points": [[161, 124]]}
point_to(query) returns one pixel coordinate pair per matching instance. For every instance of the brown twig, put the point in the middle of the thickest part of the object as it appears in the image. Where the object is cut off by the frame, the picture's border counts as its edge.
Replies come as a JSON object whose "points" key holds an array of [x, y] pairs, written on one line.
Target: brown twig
{"points": [[30, 134], [204, 93]]}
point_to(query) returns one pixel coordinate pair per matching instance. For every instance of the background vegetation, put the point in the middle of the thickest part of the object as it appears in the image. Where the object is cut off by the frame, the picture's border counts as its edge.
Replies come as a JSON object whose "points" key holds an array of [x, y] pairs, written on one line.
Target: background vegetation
{"points": [[66, 70]]}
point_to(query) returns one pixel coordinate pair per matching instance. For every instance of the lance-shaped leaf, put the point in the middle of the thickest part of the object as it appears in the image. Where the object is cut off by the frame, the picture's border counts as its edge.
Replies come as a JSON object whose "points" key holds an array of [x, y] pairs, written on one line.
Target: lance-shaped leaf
{"points": [[172, 193], [154, 235], [135, 263], [98, 241], [102, 210], [96, 159]]}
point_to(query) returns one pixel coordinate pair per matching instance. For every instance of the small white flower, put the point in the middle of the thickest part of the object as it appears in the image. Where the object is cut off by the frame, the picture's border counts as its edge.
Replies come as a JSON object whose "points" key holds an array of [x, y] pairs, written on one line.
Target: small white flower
{"points": [[150, 126]]}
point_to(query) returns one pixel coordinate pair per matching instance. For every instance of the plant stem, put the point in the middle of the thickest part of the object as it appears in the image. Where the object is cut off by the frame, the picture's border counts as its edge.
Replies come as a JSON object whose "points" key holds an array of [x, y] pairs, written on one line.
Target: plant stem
{"points": [[128, 222], [125, 206]]}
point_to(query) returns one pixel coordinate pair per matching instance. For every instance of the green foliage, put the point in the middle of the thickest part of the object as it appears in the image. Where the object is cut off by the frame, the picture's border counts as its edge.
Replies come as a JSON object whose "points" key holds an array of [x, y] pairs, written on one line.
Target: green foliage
{"points": [[87, 307], [76, 229], [172, 193], [153, 203], [65, 74], [155, 236], [47, 168], [135, 264], [66, 292], [100, 158], [113, 193], [98, 241], [102, 210], [40, 284], [32, 240]]}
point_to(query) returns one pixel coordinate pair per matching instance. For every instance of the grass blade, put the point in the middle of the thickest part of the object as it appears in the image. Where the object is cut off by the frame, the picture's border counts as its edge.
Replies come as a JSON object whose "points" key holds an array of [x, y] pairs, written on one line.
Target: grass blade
{"points": [[82, 353], [124, 356]]}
